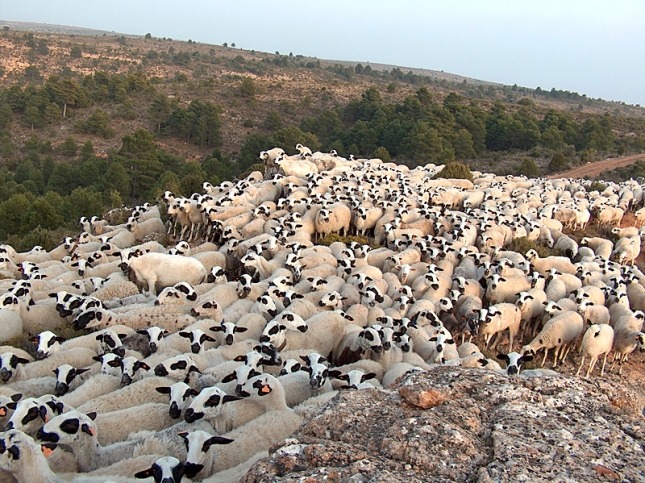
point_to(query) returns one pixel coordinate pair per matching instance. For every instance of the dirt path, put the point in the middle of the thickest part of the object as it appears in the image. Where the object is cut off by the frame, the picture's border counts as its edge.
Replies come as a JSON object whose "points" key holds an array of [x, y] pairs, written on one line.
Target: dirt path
{"points": [[594, 169]]}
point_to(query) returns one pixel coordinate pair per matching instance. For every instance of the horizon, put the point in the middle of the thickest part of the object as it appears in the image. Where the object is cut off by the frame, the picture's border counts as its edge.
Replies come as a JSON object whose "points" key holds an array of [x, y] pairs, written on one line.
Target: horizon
{"points": [[535, 44]]}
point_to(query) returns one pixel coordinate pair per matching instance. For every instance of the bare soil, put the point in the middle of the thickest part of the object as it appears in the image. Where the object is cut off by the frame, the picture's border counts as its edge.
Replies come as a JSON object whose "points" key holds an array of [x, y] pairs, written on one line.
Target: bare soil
{"points": [[595, 169]]}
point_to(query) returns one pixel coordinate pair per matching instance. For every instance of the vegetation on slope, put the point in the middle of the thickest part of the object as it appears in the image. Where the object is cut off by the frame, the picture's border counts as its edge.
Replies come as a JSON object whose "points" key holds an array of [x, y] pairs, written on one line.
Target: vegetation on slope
{"points": [[89, 123]]}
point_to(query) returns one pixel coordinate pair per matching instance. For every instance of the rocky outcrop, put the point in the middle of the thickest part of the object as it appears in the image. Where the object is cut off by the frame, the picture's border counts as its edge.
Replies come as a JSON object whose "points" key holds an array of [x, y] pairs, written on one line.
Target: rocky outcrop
{"points": [[465, 425]]}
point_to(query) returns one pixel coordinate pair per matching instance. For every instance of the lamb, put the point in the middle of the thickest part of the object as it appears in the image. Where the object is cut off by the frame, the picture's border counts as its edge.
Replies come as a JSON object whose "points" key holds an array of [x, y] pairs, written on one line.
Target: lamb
{"points": [[594, 314], [158, 270], [598, 340], [277, 423], [560, 331]]}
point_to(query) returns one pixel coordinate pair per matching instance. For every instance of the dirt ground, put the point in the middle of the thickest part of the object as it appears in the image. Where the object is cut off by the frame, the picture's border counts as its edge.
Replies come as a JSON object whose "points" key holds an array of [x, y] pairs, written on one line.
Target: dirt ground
{"points": [[595, 169]]}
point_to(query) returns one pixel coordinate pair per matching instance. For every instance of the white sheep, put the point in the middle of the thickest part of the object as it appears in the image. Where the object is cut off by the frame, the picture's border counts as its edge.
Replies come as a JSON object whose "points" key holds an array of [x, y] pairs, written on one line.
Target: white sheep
{"points": [[559, 332], [498, 318], [157, 270], [598, 340]]}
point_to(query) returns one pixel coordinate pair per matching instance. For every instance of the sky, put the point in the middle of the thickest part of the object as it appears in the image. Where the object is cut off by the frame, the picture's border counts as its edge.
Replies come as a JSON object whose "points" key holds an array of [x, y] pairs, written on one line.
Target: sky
{"points": [[593, 47]]}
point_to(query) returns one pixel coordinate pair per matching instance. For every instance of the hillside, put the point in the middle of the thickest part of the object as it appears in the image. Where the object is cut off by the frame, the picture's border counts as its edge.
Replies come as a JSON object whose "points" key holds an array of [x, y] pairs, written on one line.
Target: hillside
{"points": [[88, 122]]}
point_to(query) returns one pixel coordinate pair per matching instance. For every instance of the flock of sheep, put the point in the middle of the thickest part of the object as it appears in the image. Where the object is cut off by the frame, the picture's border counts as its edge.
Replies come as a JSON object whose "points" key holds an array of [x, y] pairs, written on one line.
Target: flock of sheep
{"points": [[198, 358]]}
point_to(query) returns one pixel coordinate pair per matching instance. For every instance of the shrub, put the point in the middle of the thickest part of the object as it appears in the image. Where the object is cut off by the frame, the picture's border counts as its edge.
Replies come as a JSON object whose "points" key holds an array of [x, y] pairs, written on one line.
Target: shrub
{"points": [[523, 245], [455, 170], [527, 167], [596, 186], [558, 162]]}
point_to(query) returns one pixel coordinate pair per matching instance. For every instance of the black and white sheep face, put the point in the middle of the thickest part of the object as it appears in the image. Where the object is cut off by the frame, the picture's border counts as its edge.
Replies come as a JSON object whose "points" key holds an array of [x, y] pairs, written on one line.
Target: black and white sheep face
{"points": [[228, 328], [514, 362], [207, 403], [198, 443], [370, 340], [129, 368], [355, 379], [266, 305], [209, 308], [110, 342], [441, 340], [216, 275], [68, 428], [65, 374], [274, 332], [30, 414], [90, 318], [318, 374], [178, 368], [8, 404], [10, 302], [290, 366], [198, 339], [181, 395], [165, 470], [243, 373], [292, 321], [110, 364], [14, 445], [170, 296], [47, 343], [155, 337], [9, 364]]}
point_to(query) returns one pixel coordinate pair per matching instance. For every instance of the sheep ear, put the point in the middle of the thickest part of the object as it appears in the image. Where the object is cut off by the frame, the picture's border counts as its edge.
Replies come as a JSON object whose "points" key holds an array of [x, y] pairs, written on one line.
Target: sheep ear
{"points": [[369, 375], [240, 329], [60, 340], [114, 364], [503, 357], [526, 358], [16, 397], [163, 390], [335, 374], [97, 358], [240, 359], [185, 334], [217, 328], [149, 473], [231, 377]]}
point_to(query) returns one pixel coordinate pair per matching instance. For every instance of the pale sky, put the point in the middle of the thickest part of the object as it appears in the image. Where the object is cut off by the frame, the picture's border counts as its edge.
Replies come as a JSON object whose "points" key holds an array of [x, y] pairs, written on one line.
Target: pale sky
{"points": [[593, 47]]}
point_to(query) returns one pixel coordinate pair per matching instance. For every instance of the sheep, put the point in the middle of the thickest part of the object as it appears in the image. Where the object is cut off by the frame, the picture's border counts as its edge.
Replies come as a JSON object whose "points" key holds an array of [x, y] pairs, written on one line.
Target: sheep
{"points": [[334, 219], [76, 357], [10, 320], [593, 314], [116, 291], [102, 318], [95, 386], [277, 423], [543, 265], [504, 290], [31, 413], [560, 331], [79, 432], [598, 340], [297, 168], [26, 461], [158, 270], [115, 426], [498, 318], [514, 362], [140, 230], [136, 394], [626, 340]]}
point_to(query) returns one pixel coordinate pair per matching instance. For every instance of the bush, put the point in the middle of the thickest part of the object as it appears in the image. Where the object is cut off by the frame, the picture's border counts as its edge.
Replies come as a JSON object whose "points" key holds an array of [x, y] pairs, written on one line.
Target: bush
{"points": [[334, 237], [558, 162], [528, 168], [596, 186], [522, 245], [455, 170]]}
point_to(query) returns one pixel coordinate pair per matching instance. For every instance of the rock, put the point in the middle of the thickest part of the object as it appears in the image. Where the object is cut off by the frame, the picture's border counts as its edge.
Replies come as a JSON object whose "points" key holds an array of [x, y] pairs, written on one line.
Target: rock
{"points": [[465, 425]]}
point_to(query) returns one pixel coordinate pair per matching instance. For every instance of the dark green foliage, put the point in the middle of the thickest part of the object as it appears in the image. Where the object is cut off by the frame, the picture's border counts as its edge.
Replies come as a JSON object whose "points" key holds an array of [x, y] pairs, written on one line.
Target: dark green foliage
{"points": [[97, 123], [455, 170], [523, 245], [527, 167], [76, 52], [596, 186], [382, 154], [248, 87], [558, 162], [69, 147]]}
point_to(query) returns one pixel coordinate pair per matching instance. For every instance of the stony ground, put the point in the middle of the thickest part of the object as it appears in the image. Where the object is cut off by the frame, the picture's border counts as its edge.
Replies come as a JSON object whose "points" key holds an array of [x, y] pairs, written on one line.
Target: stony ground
{"points": [[468, 425]]}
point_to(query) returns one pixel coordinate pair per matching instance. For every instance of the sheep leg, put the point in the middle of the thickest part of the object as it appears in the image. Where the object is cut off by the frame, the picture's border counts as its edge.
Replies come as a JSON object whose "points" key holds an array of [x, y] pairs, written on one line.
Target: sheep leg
{"points": [[602, 370], [582, 361], [546, 353], [592, 364]]}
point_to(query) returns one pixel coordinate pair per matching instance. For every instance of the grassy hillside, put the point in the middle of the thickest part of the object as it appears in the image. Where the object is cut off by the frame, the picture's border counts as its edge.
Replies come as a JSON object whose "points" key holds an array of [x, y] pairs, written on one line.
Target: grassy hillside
{"points": [[90, 122]]}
